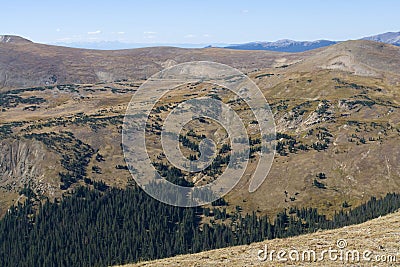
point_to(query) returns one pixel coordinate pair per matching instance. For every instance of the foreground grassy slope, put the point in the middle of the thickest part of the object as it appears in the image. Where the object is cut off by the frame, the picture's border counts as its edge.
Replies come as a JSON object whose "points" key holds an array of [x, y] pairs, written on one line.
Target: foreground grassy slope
{"points": [[381, 236]]}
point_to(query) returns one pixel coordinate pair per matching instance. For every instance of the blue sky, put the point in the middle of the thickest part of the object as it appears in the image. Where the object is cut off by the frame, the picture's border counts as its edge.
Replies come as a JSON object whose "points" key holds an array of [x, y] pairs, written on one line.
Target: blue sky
{"points": [[203, 21]]}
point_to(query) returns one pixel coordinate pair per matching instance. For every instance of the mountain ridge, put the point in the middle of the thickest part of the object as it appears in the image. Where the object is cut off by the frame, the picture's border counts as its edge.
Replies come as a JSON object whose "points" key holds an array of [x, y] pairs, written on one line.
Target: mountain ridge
{"points": [[388, 38], [287, 45], [284, 45], [32, 64], [25, 63]]}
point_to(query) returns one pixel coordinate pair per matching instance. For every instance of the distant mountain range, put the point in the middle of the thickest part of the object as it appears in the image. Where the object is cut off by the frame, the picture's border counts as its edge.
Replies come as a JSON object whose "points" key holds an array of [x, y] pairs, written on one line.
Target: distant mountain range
{"points": [[388, 38], [116, 45], [284, 45], [301, 46]]}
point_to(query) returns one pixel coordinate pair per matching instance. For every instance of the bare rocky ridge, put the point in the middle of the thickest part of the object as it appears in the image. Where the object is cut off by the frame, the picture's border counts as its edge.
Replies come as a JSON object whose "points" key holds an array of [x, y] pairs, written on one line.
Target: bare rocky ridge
{"points": [[13, 39]]}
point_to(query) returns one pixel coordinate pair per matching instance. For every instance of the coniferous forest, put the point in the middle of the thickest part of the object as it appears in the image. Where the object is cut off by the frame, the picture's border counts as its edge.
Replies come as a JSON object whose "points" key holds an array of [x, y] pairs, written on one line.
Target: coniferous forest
{"points": [[93, 227]]}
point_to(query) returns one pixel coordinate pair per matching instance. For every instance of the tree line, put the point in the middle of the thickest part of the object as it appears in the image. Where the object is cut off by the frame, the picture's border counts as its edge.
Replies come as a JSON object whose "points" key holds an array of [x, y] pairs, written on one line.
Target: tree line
{"points": [[92, 227]]}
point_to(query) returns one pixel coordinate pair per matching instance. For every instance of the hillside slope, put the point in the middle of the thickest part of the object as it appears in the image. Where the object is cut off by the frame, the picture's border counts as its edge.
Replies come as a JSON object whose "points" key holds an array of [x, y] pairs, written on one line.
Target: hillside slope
{"points": [[381, 236], [365, 58]]}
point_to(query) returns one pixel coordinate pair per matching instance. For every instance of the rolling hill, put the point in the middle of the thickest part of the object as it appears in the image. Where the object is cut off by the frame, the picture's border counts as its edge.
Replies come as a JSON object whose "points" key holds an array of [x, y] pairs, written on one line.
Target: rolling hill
{"points": [[23, 63]]}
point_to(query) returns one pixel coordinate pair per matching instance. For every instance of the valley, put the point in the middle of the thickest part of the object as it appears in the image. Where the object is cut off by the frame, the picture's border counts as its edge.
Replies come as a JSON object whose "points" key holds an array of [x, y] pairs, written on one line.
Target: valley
{"points": [[336, 111]]}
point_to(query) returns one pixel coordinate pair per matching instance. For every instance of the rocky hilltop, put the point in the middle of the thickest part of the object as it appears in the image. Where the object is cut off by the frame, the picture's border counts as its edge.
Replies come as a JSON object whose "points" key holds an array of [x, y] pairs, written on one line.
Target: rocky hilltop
{"points": [[14, 39]]}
